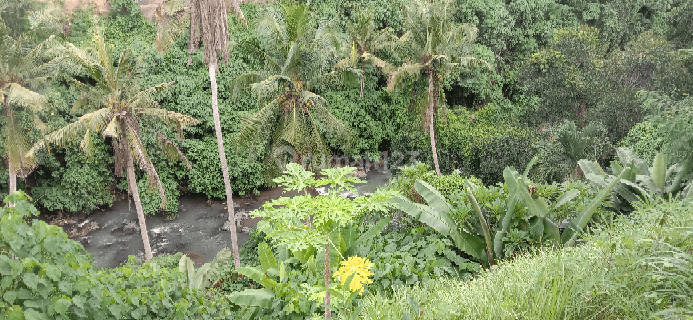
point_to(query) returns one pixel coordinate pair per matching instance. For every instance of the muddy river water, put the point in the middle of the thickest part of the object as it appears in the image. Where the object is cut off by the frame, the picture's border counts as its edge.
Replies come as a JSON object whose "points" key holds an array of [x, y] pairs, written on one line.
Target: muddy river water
{"points": [[198, 231]]}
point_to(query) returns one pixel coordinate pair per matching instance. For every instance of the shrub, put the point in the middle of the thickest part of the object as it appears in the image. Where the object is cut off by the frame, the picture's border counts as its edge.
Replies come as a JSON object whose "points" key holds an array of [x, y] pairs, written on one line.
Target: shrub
{"points": [[635, 268], [206, 177], [417, 255], [479, 144], [562, 146], [484, 145], [45, 275], [644, 140], [81, 183], [447, 185]]}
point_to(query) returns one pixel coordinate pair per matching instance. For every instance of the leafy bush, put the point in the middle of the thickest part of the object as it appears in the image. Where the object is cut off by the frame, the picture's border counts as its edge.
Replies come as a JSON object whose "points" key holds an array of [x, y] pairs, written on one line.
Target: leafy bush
{"points": [[418, 255], [246, 176], [635, 268], [447, 185], [374, 119], [562, 146], [45, 275], [580, 77], [479, 144], [671, 117], [82, 183], [644, 140], [483, 143]]}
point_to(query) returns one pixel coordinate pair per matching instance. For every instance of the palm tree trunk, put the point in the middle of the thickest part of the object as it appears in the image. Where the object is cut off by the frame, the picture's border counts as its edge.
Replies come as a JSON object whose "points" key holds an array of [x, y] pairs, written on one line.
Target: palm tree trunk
{"points": [[431, 122], [224, 164], [13, 182], [328, 311], [132, 185]]}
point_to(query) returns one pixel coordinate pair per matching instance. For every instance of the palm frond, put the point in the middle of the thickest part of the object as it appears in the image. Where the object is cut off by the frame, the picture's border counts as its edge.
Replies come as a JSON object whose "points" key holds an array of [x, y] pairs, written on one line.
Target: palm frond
{"points": [[243, 81], [16, 147], [145, 98], [256, 128], [64, 135], [139, 154], [23, 97], [384, 66], [348, 62], [172, 119], [406, 70], [472, 62], [127, 66], [273, 86], [112, 129], [87, 144], [171, 150]]}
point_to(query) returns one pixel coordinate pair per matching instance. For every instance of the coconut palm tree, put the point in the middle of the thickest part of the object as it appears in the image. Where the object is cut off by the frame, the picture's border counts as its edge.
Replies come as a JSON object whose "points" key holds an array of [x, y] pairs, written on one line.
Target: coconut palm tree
{"points": [[24, 68], [432, 48], [367, 41], [120, 106], [173, 20], [297, 56], [209, 24]]}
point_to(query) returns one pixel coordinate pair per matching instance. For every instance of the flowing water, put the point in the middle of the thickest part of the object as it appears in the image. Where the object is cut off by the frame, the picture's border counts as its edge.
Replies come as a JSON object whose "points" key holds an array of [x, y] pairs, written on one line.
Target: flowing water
{"points": [[112, 235]]}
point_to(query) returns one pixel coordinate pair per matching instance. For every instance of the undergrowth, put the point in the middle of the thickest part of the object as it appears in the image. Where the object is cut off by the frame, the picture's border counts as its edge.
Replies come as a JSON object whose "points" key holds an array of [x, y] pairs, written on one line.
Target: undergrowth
{"points": [[636, 267]]}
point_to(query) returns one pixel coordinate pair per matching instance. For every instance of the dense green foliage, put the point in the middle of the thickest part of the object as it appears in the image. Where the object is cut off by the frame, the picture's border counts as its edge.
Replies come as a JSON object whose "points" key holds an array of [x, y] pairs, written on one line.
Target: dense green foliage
{"points": [[634, 267], [568, 81], [541, 48], [48, 276]]}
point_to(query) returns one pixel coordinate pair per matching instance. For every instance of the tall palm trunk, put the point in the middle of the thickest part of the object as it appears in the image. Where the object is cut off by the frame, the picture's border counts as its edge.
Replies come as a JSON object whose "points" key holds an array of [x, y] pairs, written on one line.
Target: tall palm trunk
{"points": [[132, 185], [13, 182], [328, 311], [430, 114], [224, 165]]}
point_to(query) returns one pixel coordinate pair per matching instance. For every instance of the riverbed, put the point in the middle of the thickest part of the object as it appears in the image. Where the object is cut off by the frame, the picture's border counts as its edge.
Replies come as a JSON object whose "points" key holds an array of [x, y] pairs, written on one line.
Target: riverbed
{"points": [[198, 231]]}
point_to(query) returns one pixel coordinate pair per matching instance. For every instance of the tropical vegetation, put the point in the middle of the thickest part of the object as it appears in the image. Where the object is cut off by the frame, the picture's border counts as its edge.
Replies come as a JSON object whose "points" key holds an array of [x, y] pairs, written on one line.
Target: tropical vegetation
{"points": [[536, 153]]}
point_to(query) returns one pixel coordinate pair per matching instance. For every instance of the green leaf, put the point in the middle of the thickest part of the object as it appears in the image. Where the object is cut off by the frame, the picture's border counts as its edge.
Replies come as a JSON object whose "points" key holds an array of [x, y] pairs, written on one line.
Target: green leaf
{"points": [[370, 234], [62, 305], [31, 314], [31, 280], [659, 168], [252, 298], [576, 225], [433, 198], [267, 259], [565, 197], [53, 272], [422, 213], [9, 296], [257, 275]]}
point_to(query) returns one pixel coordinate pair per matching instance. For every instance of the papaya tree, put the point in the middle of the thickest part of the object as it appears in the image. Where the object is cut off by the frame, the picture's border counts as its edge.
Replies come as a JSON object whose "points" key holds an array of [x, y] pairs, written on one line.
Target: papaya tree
{"points": [[305, 224]]}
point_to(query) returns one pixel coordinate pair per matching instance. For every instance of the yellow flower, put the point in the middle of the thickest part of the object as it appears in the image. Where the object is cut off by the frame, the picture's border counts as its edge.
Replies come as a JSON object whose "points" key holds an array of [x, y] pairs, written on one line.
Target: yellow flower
{"points": [[360, 268]]}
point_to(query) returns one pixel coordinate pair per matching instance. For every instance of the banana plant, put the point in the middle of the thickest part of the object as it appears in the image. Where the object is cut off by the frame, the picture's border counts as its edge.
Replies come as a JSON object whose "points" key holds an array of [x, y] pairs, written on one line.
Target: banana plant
{"points": [[541, 224], [643, 183], [253, 300], [510, 211], [436, 214], [202, 277]]}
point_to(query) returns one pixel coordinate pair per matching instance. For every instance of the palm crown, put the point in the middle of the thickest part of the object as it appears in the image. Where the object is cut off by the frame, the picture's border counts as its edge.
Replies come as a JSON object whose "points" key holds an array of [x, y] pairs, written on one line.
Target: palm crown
{"points": [[297, 56], [367, 41], [25, 67], [430, 48], [119, 104]]}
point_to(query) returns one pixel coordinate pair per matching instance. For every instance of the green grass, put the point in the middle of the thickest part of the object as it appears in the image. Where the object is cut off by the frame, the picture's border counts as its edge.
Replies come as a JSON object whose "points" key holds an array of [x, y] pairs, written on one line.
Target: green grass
{"points": [[637, 267]]}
